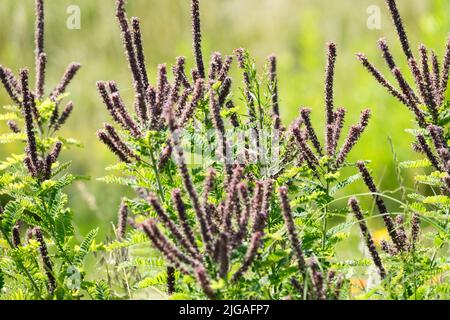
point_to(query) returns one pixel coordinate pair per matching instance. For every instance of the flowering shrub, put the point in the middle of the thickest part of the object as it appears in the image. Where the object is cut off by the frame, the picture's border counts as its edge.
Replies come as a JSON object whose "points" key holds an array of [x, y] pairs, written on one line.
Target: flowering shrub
{"points": [[39, 259], [230, 203]]}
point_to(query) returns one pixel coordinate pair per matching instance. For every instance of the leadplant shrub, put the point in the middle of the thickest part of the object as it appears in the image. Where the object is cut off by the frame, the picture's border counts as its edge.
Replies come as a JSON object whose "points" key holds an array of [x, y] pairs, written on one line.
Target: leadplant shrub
{"points": [[38, 259], [422, 266], [222, 235]]}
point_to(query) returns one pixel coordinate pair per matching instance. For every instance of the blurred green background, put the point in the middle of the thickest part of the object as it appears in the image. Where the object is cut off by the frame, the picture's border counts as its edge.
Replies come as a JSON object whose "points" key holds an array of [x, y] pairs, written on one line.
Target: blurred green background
{"points": [[296, 30]]}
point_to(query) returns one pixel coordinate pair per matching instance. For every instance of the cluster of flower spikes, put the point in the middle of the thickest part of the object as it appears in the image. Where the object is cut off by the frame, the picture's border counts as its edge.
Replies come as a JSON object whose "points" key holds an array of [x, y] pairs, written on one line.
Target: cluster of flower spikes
{"points": [[182, 93], [302, 130], [37, 162], [322, 287], [170, 106], [400, 241], [431, 82], [224, 227]]}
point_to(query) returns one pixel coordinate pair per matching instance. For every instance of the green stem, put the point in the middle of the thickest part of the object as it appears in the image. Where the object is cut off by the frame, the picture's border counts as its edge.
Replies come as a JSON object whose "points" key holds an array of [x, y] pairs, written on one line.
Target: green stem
{"points": [[324, 219]]}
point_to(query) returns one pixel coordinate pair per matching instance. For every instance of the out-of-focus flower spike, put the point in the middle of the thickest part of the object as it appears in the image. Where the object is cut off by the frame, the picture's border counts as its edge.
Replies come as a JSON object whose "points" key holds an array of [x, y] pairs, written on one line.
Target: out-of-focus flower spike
{"points": [[195, 75], [257, 199], [364, 118], [444, 154], [51, 159], [403, 238], [388, 248], [181, 72], [174, 93], [140, 108], [39, 28], [223, 247], [182, 101], [231, 198], [242, 55], [329, 139], [208, 184]]}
